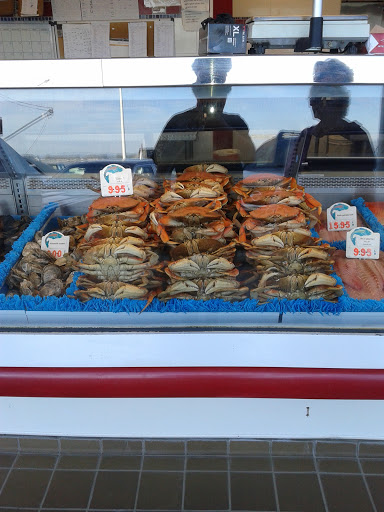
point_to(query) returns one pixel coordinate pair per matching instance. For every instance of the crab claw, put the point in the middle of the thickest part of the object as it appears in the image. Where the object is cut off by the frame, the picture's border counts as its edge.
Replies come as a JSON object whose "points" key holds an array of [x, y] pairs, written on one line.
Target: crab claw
{"points": [[93, 228], [268, 240], [319, 280], [135, 230], [130, 249]]}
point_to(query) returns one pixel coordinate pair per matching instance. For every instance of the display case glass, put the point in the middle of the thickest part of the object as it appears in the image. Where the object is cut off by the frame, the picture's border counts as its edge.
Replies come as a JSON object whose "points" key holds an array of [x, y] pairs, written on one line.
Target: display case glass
{"points": [[234, 163]]}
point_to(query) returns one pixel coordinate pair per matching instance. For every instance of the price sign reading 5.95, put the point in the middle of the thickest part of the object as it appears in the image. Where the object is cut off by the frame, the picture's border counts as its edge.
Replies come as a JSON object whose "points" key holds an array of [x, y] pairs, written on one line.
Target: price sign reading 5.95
{"points": [[341, 217], [363, 243], [115, 180]]}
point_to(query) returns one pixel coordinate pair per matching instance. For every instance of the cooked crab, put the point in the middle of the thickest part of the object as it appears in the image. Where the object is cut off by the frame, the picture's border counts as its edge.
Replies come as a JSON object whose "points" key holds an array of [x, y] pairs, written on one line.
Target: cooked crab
{"points": [[203, 246], [263, 181], [201, 266], [270, 218], [226, 289], [123, 208], [193, 222], [314, 286], [109, 290], [295, 260]]}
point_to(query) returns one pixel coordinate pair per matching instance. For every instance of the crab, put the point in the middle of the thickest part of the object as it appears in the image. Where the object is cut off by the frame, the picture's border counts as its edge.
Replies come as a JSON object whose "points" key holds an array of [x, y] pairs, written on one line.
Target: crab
{"points": [[121, 249], [314, 286], [114, 230], [276, 196], [124, 207], [263, 181], [198, 176], [185, 190], [226, 289], [119, 269], [270, 218], [193, 222], [210, 203], [295, 260], [281, 239], [110, 290], [203, 246], [211, 168], [144, 187], [201, 266]]}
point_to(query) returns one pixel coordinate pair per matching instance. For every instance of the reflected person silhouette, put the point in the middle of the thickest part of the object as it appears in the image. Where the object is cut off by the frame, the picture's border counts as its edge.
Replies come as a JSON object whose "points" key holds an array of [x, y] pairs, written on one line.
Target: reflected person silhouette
{"points": [[205, 133], [334, 136]]}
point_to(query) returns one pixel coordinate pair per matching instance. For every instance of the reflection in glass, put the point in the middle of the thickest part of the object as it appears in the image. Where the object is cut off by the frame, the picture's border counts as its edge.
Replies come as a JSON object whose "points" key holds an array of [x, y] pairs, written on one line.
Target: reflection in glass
{"points": [[205, 133], [334, 142]]}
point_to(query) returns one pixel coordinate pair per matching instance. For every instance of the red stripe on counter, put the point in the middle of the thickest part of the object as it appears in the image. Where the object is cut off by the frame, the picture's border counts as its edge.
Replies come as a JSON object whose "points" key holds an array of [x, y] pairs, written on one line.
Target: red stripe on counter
{"points": [[193, 382]]}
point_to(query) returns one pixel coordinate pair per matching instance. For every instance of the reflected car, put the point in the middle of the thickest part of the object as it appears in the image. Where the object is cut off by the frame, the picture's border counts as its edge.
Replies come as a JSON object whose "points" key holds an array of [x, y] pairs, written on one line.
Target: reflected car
{"points": [[137, 165]]}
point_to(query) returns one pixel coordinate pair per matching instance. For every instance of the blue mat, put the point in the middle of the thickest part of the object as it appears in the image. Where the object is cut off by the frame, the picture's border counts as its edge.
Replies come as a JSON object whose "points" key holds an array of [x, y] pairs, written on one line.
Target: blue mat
{"points": [[27, 302]]}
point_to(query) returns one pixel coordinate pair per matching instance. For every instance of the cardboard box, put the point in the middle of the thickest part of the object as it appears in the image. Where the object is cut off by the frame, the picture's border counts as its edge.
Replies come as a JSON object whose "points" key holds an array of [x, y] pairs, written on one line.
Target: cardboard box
{"points": [[223, 38], [6, 7], [40, 7], [251, 8], [375, 43]]}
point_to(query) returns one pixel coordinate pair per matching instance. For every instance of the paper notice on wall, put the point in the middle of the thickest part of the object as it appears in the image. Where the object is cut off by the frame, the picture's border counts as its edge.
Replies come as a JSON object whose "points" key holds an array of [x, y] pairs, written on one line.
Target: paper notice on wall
{"points": [[164, 38], [125, 10], [92, 10], [192, 20], [66, 10], [186, 43], [137, 33], [100, 40], [77, 40], [119, 49], [161, 3], [28, 8], [195, 5]]}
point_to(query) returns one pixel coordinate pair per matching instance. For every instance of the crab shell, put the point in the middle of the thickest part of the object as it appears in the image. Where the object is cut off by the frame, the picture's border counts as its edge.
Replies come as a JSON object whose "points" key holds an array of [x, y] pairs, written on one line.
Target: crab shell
{"points": [[200, 266], [125, 207], [211, 168], [226, 289], [210, 203], [190, 176], [203, 246], [270, 218], [276, 196], [263, 181]]}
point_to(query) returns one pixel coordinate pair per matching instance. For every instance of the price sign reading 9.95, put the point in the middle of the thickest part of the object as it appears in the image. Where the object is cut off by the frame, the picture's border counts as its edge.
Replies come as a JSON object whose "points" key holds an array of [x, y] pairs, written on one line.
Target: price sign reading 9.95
{"points": [[115, 180], [341, 217], [363, 243]]}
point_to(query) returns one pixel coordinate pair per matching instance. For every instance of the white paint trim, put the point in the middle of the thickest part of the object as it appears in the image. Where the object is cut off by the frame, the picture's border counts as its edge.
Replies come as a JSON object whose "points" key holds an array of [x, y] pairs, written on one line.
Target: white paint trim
{"points": [[192, 417], [192, 349]]}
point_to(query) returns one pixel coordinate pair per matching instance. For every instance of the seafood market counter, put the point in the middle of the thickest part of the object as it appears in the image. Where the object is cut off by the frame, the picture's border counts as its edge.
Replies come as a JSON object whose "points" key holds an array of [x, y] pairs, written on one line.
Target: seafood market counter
{"points": [[200, 305]]}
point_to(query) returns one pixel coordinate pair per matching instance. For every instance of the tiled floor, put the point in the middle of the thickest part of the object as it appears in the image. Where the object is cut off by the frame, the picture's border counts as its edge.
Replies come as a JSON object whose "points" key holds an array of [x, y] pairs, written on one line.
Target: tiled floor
{"points": [[48, 474]]}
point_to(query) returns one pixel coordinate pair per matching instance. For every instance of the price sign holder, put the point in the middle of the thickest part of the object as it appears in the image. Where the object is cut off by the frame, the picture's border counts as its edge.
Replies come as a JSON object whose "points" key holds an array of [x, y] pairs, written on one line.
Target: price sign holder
{"points": [[341, 217], [55, 243], [116, 180], [362, 243]]}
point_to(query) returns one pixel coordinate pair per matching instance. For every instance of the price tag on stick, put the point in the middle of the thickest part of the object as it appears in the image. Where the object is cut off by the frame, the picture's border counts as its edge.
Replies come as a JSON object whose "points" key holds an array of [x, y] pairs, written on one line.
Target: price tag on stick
{"points": [[341, 217], [116, 180], [55, 243], [363, 243]]}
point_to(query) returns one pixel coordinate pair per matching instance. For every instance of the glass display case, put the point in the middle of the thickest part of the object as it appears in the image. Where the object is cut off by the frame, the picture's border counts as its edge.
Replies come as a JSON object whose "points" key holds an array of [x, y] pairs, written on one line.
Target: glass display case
{"points": [[251, 178]]}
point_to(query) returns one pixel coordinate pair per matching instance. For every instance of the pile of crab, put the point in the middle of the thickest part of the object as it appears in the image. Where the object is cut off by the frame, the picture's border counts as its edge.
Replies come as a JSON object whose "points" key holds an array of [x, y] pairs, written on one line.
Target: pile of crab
{"points": [[285, 260], [190, 219], [118, 254]]}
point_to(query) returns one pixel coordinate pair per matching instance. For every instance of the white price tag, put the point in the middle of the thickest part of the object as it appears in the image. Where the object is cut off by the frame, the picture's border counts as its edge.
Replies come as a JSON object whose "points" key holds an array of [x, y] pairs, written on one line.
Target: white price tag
{"points": [[341, 217], [115, 180], [363, 243], [55, 243]]}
